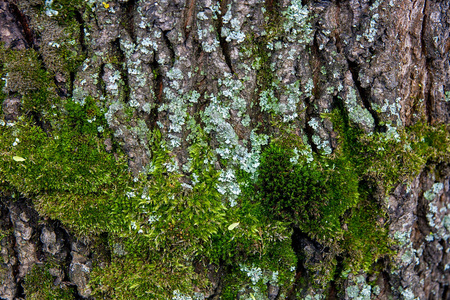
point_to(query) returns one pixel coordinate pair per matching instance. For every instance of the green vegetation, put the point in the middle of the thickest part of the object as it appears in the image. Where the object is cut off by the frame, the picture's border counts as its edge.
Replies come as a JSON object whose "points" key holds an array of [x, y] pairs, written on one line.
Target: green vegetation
{"points": [[188, 227], [166, 228], [312, 196], [39, 285], [22, 71], [325, 200], [66, 169], [337, 200]]}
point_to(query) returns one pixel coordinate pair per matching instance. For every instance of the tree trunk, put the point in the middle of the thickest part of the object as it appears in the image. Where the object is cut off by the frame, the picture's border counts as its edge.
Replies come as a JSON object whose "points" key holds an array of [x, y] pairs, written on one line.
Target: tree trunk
{"points": [[353, 91]]}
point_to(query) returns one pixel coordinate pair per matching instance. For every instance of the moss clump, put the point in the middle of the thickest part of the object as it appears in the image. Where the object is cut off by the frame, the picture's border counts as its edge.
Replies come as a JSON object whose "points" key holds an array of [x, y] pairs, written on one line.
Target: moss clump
{"points": [[337, 200], [397, 155], [39, 285], [22, 71], [314, 196], [68, 9], [179, 229], [66, 169], [143, 273]]}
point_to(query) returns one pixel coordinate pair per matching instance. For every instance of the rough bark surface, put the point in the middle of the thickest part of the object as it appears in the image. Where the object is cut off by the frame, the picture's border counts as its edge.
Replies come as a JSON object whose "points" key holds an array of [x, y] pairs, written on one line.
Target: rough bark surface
{"points": [[153, 63]]}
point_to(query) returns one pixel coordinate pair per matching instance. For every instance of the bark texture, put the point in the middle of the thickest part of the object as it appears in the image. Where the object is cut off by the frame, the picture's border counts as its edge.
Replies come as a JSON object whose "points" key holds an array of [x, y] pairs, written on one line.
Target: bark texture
{"points": [[160, 64]]}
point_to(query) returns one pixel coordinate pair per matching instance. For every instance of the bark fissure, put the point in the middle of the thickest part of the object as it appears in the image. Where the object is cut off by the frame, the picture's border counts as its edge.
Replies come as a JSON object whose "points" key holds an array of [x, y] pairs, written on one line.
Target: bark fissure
{"points": [[224, 46], [123, 70], [169, 46], [81, 40], [315, 63], [129, 19], [188, 18], [28, 33], [428, 74], [158, 92], [101, 85], [309, 131], [310, 110], [364, 93]]}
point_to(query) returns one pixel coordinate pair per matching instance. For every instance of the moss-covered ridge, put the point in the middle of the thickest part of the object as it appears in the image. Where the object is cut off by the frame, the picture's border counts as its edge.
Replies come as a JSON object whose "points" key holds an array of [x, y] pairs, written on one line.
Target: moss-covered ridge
{"points": [[61, 154], [159, 218]]}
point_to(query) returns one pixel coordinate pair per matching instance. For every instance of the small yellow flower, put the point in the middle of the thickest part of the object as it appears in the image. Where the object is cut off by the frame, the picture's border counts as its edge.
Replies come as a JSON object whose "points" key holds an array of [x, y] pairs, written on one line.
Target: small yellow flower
{"points": [[106, 5]]}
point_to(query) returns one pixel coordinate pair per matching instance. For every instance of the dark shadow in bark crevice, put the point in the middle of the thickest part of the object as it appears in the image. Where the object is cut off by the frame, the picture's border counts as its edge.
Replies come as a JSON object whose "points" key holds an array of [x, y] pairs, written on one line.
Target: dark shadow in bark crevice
{"points": [[128, 21], [23, 22], [122, 68], [224, 46], [169, 46], [158, 92]]}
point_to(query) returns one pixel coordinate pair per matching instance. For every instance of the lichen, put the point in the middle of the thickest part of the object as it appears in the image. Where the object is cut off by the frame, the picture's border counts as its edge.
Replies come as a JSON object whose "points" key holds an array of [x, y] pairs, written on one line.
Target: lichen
{"points": [[357, 113]]}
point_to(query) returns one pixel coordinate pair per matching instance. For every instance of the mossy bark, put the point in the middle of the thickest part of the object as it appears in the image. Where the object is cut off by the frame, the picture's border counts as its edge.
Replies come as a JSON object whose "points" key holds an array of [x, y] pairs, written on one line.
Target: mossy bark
{"points": [[226, 149]]}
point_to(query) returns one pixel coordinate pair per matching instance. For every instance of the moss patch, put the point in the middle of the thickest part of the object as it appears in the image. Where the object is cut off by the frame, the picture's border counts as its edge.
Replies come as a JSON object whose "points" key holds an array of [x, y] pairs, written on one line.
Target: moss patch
{"points": [[39, 285]]}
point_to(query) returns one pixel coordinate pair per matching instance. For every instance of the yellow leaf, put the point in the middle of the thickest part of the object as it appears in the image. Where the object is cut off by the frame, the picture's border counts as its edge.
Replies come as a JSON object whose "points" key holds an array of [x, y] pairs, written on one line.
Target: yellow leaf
{"points": [[18, 158], [106, 5], [233, 226]]}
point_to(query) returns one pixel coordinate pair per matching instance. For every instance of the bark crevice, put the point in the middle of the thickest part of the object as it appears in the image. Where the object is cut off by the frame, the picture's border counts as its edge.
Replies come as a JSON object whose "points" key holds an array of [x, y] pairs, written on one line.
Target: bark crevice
{"points": [[23, 21], [129, 19], [224, 45], [123, 70], [364, 93], [428, 61], [189, 14]]}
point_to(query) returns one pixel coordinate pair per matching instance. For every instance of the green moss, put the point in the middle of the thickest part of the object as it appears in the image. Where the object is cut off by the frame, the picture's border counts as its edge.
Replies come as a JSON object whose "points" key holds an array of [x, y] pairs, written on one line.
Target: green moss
{"points": [[178, 231], [39, 285], [337, 200], [313, 196], [366, 238], [22, 71], [397, 155], [67, 169], [165, 228], [170, 226], [143, 276]]}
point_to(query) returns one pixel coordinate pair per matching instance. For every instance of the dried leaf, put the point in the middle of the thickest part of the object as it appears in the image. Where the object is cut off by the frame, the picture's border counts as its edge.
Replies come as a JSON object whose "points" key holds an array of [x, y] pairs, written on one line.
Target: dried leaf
{"points": [[233, 226]]}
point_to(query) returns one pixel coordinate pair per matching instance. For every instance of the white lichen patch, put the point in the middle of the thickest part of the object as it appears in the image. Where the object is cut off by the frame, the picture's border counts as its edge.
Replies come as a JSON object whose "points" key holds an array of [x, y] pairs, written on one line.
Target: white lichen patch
{"points": [[177, 295], [49, 11], [297, 26], [357, 113], [408, 294], [255, 274], [431, 194], [358, 289], [391, 110], [437, 216], [231, 29]]}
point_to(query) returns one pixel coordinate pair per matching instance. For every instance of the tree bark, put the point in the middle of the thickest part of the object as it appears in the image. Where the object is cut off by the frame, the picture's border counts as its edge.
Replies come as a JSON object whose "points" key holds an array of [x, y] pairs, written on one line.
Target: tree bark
{"points": [[240, 68]]}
